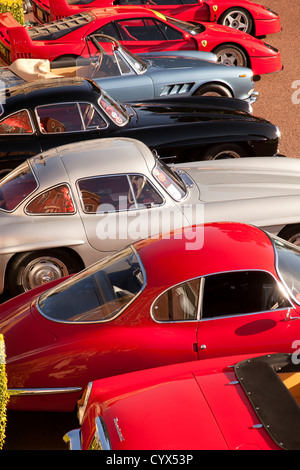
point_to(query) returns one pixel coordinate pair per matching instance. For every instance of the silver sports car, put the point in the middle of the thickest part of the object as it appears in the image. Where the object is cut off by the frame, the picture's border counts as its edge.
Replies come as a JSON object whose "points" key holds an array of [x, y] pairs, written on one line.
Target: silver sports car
{"points": [[68, 207], [128, 77]]}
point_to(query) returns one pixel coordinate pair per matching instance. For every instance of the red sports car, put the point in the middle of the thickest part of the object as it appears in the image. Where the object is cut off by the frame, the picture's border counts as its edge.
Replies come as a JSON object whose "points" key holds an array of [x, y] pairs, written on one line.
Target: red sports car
{"points": [[244, 15], [154, 303], [140, 30], [232, 403]]}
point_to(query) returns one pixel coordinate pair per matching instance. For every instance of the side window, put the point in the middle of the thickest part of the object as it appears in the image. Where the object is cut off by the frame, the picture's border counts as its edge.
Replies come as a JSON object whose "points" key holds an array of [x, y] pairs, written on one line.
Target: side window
{"points": [[180, 303], [17, 123], [143, 192], [169, 32], [116, 193], [56, 200], [103, 193], [140, 30], [237, 293], [110, 30], [68, 117]]}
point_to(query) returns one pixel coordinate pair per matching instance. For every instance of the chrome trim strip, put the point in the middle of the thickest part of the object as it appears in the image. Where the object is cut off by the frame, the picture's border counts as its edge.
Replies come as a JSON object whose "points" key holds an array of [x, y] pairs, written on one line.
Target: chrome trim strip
{"points": [[72, 439], [41, 391], [101, 434]]}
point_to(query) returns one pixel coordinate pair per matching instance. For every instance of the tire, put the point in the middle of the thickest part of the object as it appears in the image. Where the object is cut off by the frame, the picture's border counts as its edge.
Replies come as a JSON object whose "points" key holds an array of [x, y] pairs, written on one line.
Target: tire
{"points": [[213, 89], [237, 18], [33, 269], [27, 6], [224, 151], [291, 234], [230, 54]]}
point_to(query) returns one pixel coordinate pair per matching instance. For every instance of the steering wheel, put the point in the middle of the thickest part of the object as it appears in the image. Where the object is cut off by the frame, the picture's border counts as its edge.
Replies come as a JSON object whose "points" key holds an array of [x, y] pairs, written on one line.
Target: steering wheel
{"points": [[139, 182], [96, 63]]}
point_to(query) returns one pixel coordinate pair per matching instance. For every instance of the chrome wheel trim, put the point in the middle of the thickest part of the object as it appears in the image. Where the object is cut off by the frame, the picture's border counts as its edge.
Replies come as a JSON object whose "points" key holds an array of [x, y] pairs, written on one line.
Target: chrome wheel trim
{"points": [[236, 19], [230, 56], [226, 154], [41, 271], [295, 239]]}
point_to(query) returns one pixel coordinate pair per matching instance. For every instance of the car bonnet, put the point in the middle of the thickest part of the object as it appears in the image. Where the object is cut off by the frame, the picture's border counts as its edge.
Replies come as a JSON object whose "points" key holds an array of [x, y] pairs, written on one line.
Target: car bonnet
{"points": [[245, 178]]}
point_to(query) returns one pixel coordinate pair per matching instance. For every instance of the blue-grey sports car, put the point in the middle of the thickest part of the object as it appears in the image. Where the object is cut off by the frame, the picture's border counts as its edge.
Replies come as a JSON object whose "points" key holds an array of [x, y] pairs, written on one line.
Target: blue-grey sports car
{"points": [[127, 77]]}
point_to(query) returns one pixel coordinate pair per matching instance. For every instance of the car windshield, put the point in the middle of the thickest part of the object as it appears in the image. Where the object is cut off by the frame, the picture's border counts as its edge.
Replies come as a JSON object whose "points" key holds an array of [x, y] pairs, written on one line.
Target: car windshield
{"points": [[188, 27], [16, 187], [169, 180], [135, 62], [288, 266], [98, 293], [113, 110]]}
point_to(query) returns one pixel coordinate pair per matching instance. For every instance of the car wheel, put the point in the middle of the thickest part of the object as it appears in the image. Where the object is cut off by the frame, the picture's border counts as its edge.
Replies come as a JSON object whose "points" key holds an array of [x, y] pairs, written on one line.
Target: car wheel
{"points": [[224, 151], [213, 89], [26, 6], [291, 234], [237, 18], [30, 270], [229, 54]]}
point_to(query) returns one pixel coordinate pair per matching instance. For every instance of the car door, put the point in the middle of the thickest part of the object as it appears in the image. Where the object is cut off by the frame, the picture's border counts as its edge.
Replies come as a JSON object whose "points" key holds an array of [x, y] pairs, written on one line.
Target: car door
{"points": [[244, 312], [149, 35], [119, 209]]}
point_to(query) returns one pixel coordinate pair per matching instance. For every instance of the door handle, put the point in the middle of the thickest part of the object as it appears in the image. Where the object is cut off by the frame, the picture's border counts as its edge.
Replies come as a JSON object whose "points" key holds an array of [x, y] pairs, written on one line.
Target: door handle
{"points": [[196, 347]]}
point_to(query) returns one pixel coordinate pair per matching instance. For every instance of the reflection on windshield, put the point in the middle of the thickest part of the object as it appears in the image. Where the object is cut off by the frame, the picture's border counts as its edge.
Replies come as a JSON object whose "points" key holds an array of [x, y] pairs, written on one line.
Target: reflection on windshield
{"points": [[113, 110], [169, 180], [135, 61], [288, 266], [98, 293], [189, 27]]}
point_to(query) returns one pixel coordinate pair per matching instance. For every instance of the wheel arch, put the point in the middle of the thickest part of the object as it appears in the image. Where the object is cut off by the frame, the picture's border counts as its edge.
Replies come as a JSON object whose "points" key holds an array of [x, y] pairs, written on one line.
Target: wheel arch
{"points": [[215, 82], [66, 249], [235, 44]]}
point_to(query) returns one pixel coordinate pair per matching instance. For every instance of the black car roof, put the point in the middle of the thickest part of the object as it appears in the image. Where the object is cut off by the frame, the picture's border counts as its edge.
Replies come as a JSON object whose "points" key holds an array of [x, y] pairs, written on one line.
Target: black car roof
{"points": [[274, 405], [49, 91]]}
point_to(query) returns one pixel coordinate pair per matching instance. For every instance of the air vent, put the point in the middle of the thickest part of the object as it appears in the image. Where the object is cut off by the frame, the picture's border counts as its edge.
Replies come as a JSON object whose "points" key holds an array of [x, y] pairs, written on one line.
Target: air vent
{"points": [[176, 89]]}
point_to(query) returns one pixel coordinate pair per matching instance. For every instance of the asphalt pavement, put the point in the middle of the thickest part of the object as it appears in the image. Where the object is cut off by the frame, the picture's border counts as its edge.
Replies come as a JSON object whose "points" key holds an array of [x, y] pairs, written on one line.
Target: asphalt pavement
{"points": [[279, 102]]}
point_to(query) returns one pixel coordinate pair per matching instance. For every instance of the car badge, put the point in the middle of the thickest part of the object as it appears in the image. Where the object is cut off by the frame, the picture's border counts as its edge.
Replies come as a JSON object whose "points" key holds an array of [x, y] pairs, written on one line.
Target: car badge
{"points": [[204, 43], [215, 7]]}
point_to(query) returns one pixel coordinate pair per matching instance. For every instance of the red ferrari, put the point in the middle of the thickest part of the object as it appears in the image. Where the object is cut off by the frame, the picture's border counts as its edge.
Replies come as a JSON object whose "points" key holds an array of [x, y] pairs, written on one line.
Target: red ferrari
{"points": [[154, 303], [138, 29], [243, 15]]}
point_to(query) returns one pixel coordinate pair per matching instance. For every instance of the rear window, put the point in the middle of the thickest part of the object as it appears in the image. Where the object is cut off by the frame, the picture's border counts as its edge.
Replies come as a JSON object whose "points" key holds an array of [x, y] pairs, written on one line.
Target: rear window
{"points": [[16, 187], [98, 293]]}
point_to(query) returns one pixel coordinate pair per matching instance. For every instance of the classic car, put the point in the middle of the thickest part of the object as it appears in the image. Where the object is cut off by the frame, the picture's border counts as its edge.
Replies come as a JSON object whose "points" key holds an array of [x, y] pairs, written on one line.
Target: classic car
{"points": [[140, 30], [243, 15], [47, 113], [129, 77], [238, 293], [243, 402]]}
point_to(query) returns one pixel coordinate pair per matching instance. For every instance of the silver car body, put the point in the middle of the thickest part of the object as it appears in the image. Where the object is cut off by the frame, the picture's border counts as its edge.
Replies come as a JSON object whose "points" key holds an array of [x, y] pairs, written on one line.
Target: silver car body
{"points": [[127, 77], [259, 191]]}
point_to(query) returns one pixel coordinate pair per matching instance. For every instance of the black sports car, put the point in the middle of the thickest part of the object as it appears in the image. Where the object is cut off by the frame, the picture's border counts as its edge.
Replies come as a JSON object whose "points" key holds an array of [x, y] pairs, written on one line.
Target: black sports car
{"points": [[40, 115]]}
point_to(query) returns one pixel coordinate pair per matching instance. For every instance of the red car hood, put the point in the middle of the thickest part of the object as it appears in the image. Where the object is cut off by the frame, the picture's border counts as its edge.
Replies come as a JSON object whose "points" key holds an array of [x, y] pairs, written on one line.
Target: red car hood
{"points": [[183, 413], [21, 330]]}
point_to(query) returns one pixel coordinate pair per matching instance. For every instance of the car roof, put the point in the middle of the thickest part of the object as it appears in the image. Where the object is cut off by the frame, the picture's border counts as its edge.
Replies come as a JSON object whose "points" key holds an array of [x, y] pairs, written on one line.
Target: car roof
{"points": [[125, 10], [91, 158], [175, 257]]}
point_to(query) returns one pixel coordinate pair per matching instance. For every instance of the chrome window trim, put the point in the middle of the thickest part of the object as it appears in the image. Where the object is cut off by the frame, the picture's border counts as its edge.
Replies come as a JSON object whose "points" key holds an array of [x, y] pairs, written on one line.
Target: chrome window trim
{"points": [[277, 263], [201, 296], [34, 214], [137, 207], [119, 312], [17, 112], [77, 103]]}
